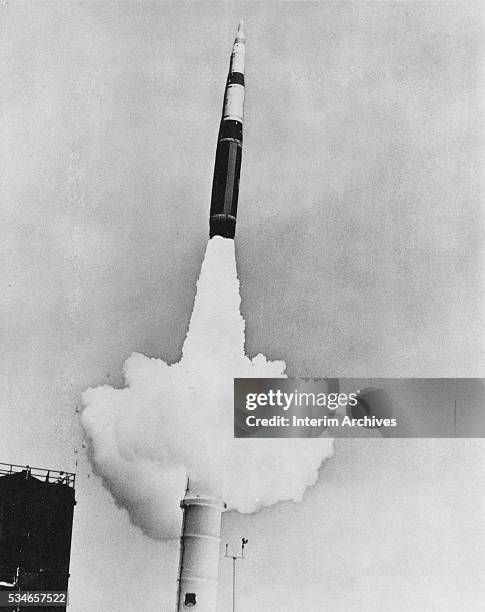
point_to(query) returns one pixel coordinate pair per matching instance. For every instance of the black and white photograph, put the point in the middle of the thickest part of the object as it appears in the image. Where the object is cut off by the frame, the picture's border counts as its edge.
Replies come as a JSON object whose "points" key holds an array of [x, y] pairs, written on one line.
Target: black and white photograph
{"points": [[242, 306]]}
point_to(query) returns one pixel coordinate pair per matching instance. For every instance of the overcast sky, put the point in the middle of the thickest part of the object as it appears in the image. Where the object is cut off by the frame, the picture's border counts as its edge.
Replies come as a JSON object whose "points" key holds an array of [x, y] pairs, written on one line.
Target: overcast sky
{"points": [[359, 254]]}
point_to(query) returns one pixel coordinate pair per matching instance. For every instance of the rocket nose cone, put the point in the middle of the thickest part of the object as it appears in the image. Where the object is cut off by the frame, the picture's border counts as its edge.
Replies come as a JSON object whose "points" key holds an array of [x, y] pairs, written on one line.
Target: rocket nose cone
{"points": [[240, 32]]}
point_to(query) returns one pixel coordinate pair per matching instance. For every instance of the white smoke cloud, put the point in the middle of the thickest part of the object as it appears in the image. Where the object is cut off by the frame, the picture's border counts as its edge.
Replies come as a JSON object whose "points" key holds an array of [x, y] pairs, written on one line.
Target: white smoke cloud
{"points": [[174, 421]]}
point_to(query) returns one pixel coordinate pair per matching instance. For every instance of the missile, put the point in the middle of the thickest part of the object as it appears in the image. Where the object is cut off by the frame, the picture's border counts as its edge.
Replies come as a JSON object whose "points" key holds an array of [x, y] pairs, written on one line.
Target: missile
{"points": [[225, 184]]}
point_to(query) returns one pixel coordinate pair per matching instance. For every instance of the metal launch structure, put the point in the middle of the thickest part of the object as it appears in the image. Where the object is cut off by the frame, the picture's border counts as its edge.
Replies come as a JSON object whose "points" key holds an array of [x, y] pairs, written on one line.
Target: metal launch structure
{"points": [[36, 514]]}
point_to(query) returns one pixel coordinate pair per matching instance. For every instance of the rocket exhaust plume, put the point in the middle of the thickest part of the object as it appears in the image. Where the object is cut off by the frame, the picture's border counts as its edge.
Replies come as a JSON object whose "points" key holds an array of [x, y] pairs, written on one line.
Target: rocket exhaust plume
{"points": [[175, 421]]}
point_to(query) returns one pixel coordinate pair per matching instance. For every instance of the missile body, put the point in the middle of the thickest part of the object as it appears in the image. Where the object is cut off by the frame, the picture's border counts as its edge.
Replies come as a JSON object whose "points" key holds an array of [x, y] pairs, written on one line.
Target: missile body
{"points": [[225, 185]]}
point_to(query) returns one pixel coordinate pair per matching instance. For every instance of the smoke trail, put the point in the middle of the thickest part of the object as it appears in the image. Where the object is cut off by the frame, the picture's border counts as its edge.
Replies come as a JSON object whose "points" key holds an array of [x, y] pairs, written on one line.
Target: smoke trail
{"points": [[171, 421]]}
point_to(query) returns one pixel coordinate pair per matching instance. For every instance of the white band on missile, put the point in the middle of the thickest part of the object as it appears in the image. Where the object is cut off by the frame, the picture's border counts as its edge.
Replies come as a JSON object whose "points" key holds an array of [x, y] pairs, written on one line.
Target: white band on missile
{"points": [[237, 62], [234, 102]]}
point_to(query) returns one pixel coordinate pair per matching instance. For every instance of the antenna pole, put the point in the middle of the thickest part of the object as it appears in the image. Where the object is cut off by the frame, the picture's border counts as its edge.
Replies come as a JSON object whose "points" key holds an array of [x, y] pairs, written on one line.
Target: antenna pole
{"points": [[234, 584], [235, 558], [455, 418]]}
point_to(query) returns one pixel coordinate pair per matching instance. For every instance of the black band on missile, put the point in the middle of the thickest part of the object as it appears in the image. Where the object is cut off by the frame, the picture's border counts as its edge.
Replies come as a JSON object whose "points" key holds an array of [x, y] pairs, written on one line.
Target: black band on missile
{"points": [[230, 128], [225, 188], [222, 225], [235, 78]]}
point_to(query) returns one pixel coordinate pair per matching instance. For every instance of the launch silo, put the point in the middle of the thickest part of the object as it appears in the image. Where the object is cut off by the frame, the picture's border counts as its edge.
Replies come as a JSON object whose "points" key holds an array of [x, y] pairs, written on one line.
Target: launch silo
{"points": [[199, 554]]}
